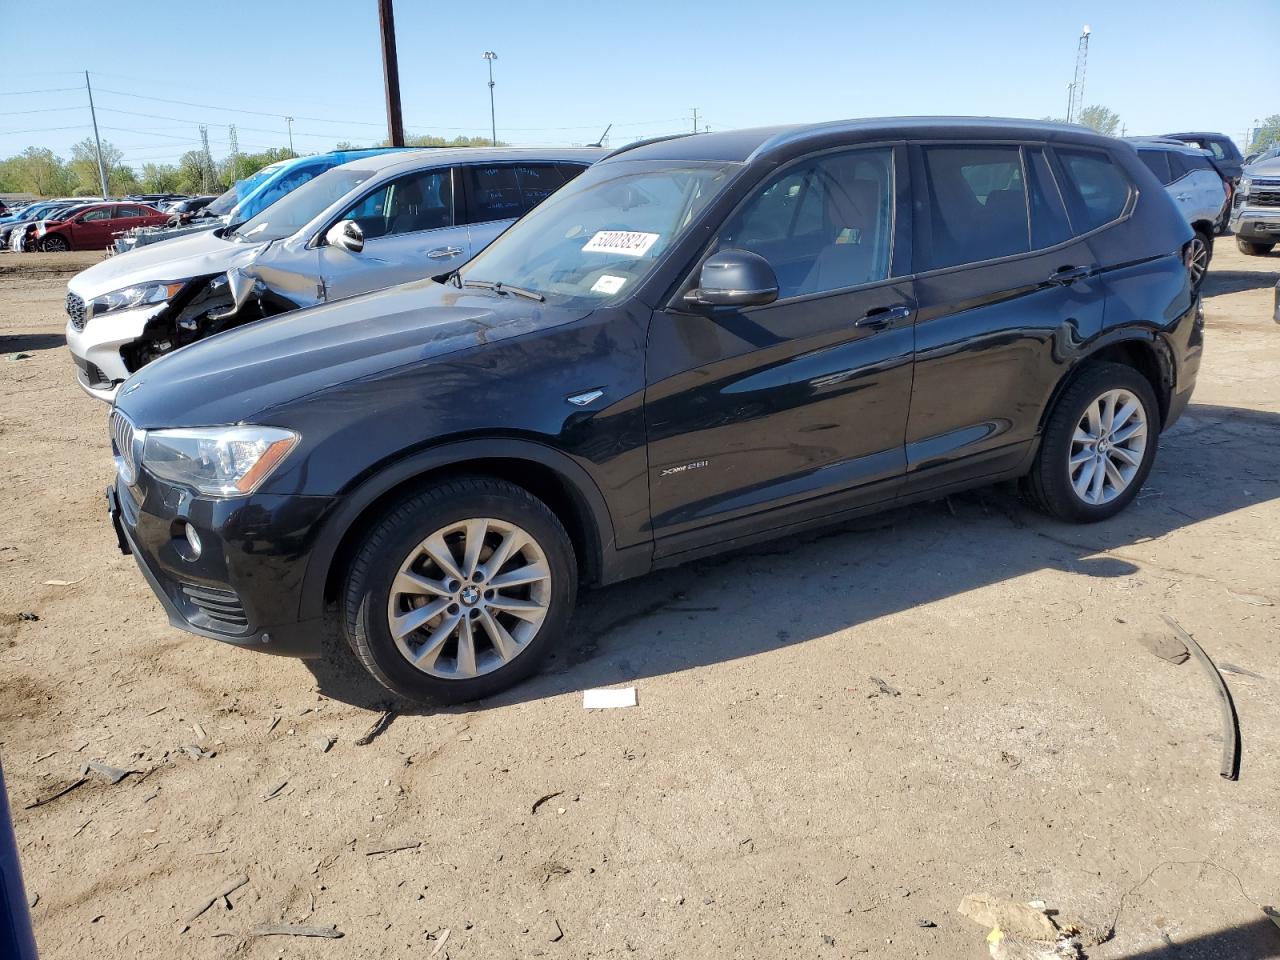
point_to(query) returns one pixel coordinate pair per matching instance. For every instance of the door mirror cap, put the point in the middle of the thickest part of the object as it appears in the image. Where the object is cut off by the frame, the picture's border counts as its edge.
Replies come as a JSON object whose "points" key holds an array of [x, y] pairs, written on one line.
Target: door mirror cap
{"points": [[735, 278], [347, 235]]}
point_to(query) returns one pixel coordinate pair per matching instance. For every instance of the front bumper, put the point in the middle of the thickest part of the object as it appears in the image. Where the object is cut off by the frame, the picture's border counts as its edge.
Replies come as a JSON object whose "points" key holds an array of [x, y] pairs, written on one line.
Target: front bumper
{"points": [[1259, 224], [245, 585], [95, 348]]}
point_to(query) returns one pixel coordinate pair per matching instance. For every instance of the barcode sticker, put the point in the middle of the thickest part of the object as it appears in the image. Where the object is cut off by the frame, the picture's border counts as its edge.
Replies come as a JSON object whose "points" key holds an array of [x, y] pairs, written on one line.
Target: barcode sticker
{"points": [[625, 242]]}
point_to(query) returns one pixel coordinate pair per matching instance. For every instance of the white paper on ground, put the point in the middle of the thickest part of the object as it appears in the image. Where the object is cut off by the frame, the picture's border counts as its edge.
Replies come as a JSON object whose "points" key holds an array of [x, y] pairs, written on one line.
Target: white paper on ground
{"points": [[603, 699]]}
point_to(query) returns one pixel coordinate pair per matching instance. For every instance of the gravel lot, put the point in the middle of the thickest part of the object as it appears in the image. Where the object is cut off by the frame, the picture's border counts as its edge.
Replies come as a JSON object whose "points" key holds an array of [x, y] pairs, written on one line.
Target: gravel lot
{"points": [[765, 799]]}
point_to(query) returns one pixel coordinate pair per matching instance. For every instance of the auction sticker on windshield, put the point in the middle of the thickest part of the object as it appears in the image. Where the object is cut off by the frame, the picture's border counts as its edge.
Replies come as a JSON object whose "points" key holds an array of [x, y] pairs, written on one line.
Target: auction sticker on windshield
{"points": [[625, 242]]}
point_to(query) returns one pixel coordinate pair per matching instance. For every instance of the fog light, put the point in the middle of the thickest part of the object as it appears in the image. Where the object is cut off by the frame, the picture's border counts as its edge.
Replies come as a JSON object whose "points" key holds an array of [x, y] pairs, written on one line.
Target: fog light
{"points": [[193, 539]]}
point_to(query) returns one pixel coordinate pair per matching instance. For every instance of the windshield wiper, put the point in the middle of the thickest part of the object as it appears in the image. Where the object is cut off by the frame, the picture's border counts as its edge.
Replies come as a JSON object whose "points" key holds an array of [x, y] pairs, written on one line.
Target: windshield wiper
{"points": [[500, 287]]}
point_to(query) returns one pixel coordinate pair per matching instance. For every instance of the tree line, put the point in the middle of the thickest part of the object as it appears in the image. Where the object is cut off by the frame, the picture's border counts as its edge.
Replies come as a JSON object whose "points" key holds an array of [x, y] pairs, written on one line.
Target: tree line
{"points": [[40, 171]]}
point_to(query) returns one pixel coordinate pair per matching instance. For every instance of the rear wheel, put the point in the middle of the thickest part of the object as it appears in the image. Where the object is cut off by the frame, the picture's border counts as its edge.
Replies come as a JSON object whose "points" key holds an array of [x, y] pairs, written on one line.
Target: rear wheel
{"points": [[1098, 446], [1201, 254], [1252, 248], [54, 244], [460, 590]]}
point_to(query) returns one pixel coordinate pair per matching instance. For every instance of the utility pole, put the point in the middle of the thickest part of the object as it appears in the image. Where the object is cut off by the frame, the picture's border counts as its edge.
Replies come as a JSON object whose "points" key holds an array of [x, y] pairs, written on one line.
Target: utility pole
{"points": [[102, 171], [490, 56], [1077, 82], [695, 119], [391, 73], [206, 164], [235, 152], [289, 121]]}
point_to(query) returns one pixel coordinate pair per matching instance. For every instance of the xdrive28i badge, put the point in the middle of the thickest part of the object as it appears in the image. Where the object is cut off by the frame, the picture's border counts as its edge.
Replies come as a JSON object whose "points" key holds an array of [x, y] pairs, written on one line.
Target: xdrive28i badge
{"points": [[684, 468]]}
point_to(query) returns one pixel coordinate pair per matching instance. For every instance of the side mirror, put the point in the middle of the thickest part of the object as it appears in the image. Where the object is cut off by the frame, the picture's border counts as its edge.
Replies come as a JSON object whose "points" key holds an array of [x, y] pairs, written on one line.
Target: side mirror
{"points": [[734, 278], [347, 235]]}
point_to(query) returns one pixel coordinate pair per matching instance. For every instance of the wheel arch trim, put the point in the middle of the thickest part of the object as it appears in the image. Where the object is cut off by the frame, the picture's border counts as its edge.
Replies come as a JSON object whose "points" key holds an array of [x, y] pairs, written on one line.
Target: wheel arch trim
{"points": [[1118, 346], [355, 504]]}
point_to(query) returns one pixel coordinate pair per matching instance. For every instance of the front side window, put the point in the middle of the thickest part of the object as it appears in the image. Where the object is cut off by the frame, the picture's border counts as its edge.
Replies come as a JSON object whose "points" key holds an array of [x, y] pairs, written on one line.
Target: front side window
{"points": [[602, 234], [1100, 189], [823, 225], [420, 201], [977, 207]]}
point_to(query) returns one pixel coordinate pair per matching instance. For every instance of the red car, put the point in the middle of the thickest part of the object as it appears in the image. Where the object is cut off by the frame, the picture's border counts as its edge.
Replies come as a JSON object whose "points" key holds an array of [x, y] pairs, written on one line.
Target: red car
{"points": [[93, 228]]}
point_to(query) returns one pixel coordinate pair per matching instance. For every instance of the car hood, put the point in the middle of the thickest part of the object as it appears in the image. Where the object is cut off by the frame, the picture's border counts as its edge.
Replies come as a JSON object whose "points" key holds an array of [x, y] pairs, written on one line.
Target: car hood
{"points": [[197, 255], [1265, 168], [234, 376]]}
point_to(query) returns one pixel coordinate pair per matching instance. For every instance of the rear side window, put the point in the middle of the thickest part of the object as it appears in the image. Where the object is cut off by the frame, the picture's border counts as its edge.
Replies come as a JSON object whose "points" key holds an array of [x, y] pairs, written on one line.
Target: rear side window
{"points": [[1049, 223], [129, 212], [494, 193], [1099, 189], [537, 181], [977, 207], [1157, 162]]}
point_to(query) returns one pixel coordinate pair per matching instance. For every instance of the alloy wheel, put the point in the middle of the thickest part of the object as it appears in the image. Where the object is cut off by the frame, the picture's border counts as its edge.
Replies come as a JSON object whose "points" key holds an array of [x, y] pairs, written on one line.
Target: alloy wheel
{"points": [[1199, 261], [469, 598], [1107, 447]]}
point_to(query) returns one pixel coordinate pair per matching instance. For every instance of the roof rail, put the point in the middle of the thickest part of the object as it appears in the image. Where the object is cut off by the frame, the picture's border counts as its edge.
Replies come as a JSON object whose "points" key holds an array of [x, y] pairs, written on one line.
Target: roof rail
{"points": [[645, 143]]}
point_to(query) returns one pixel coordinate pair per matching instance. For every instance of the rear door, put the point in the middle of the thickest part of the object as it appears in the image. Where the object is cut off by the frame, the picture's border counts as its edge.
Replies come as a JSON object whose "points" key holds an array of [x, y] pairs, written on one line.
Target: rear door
{"points": [[1004, 290], [498, 194], [409, 233], [1197, 187], [779, 413]]}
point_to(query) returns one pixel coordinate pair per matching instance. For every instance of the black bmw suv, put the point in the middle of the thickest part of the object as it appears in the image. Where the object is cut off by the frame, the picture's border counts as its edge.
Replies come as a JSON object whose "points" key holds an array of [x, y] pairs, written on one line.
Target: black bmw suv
{"points": [[700, 343]]}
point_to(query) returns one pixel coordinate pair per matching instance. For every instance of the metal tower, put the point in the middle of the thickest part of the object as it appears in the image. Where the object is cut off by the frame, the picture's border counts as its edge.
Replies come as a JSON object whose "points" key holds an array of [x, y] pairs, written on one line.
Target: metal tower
{"points": [[1075, 101]]}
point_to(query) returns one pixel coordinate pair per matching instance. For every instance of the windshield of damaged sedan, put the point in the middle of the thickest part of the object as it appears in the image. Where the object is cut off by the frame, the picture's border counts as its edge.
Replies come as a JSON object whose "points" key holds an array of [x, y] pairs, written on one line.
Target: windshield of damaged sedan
{"points": [[599, 236], [294, 211]]}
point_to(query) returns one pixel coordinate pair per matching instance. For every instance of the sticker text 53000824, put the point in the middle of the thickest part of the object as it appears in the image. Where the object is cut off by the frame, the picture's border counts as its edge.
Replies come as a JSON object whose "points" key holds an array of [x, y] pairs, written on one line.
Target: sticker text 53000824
{"points": [[626, 242]]}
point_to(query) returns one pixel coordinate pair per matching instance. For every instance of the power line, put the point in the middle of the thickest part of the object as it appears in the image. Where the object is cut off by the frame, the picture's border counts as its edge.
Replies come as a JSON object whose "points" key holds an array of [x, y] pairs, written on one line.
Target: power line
{"points": [[23, 93]]}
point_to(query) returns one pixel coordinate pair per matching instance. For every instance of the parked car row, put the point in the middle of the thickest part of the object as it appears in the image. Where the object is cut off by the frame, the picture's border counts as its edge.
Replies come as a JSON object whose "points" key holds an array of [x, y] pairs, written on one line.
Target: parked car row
{"points": [[695, 344], [380, 220]]}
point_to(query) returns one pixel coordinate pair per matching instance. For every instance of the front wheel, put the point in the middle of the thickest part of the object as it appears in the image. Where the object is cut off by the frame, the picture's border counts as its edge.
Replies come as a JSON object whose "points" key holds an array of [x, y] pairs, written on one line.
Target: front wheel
{"points": [[54, 244], [1098, 445], [1251, 248], [460, 590]]}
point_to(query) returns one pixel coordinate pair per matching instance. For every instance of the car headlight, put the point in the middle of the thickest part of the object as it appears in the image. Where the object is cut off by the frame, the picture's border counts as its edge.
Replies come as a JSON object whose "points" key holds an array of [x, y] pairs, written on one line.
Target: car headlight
{"points": [[141, 294], [1244, 186], [217, 461]]}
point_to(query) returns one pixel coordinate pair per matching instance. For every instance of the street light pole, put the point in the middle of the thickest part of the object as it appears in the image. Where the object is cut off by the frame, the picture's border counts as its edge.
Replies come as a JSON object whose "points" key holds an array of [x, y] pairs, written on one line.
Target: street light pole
{"points": [[289, 121], [490, 56]]}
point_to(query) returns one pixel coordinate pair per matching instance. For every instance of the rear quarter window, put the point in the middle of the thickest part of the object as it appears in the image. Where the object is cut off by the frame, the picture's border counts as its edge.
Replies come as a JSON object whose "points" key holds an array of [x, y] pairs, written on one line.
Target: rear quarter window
{"points": [[1099, 189]]}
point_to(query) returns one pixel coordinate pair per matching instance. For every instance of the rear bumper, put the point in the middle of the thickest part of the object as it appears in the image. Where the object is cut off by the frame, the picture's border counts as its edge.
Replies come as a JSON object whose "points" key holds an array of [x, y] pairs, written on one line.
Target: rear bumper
{"points": [[244, 587]]}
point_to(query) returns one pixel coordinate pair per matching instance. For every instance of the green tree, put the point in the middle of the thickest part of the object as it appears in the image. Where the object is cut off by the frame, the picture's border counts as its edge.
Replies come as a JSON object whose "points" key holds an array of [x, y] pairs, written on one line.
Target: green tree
{"points": [[84, 168], [1266, 135], [40, 171], [1100, 118], [430, 140], [160, 178]]}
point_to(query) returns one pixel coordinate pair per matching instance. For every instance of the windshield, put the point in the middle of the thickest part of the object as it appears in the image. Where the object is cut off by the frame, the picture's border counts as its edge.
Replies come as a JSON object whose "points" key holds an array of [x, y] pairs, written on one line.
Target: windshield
{"points": [[237, 192], [287, 216], [598, 237]]}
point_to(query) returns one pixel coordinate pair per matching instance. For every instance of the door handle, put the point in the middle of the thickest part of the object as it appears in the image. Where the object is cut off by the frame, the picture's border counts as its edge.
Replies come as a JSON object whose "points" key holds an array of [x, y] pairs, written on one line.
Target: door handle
{"points": [[880, 317], [443, 253], [1065, 276]]}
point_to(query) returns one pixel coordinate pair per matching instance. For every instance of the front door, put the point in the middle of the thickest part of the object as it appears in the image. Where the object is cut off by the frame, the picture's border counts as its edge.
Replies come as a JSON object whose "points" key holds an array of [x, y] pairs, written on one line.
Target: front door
{"points": [[770, 415], [409, 233], [93, 229]]}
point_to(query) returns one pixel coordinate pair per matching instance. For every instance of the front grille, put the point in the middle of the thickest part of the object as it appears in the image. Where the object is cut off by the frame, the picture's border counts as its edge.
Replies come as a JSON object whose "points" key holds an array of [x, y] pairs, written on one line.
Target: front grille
{"points": [[1264, 198], [122, 439], [75, 310], [222, 607]]}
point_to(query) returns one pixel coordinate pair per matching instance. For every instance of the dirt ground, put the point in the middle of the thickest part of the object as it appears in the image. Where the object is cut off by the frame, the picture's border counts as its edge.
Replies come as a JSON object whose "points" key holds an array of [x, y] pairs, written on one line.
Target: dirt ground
{"points": [[766, 798]]}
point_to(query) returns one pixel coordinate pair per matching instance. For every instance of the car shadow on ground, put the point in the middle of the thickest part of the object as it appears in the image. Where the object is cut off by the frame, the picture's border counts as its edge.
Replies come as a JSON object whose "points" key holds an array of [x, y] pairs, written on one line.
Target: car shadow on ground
{"points": [[1214, 461], [1218, 282], [19, 342], [1249, 941]]}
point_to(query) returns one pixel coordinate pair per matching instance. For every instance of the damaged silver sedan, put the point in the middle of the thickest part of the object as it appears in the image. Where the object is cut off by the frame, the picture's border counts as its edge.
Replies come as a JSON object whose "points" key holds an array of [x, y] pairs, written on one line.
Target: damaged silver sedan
{"points": [[362, 226]]}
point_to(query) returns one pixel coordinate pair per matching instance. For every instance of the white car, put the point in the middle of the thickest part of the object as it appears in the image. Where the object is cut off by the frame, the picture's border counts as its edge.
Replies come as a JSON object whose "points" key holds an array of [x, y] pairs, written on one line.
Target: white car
{"points": [[367, 224], [1196, 185]]}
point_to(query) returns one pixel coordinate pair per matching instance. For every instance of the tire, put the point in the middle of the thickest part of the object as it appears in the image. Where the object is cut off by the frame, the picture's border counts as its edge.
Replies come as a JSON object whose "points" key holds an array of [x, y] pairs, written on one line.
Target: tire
{"points": [[1252, 248], [505, 647], [1053, 478], [54, 244], [1201, 256]]}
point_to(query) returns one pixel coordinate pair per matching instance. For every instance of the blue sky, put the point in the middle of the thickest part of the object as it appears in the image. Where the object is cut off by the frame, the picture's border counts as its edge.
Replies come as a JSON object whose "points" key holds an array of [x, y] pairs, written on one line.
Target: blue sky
{"points": [[567, 69]]}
